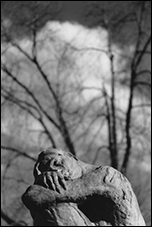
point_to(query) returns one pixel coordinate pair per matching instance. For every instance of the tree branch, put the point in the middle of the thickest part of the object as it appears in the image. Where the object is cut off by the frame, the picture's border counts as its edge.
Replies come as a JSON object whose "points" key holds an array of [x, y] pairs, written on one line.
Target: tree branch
{"points": [[10, 221], [18, 152], [31, 94]]}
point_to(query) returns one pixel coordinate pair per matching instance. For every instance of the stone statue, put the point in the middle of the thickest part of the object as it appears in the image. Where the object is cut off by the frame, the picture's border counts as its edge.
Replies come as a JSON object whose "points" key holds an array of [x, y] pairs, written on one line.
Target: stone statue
{"points": [[69, 192]]}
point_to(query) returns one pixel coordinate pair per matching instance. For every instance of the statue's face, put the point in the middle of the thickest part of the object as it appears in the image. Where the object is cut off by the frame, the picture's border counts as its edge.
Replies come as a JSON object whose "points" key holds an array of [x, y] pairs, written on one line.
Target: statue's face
{"points": [[58, 160]]}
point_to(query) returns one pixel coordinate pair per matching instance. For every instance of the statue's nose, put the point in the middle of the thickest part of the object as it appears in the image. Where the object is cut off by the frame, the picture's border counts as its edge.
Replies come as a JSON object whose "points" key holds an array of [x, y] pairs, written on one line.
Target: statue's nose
{"points": [[54, 164]]}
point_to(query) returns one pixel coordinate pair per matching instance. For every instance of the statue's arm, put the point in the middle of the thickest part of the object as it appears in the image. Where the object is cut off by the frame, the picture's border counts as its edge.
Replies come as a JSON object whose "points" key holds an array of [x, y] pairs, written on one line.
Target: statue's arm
{"points": [[102, 181], [109, 183]]}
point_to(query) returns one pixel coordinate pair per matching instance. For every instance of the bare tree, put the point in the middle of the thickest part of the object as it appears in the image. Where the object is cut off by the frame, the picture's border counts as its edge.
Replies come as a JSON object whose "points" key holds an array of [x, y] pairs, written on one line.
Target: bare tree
{"points": [[34, 107], [117, 24], [143, 42]]}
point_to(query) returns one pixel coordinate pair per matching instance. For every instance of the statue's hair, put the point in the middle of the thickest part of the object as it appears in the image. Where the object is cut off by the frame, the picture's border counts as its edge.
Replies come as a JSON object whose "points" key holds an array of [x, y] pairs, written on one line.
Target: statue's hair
{"points": [[51, 150]]}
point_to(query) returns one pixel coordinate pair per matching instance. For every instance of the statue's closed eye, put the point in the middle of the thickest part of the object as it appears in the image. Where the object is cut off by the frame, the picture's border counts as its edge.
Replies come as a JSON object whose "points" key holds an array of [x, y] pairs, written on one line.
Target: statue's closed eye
{"points": [[50, 164]]}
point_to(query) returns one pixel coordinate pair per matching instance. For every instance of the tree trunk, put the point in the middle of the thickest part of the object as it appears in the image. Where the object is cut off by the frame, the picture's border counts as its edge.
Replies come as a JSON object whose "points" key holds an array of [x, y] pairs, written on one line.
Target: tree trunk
{"points": [[127, 129]]}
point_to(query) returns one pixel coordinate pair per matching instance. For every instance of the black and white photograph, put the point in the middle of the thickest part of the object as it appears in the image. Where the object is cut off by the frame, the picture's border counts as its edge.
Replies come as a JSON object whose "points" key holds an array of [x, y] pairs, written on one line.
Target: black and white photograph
{"points": [[75, 113]]}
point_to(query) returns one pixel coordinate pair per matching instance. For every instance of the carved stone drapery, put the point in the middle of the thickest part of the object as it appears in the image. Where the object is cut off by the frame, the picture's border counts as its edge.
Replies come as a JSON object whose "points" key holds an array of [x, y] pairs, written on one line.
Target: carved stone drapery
{"points": [[69, 192]]}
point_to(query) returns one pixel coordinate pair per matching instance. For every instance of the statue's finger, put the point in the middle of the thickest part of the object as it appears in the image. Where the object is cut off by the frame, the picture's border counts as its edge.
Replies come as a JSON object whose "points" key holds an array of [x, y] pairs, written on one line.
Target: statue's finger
{"points": [[50, 182], [62, 181], [45, 181], [56, 181]]}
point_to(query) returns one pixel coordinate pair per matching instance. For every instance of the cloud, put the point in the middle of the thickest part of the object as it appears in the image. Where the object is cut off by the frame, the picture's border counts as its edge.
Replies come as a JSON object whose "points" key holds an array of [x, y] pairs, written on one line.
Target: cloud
{"points": [[73, 44]]}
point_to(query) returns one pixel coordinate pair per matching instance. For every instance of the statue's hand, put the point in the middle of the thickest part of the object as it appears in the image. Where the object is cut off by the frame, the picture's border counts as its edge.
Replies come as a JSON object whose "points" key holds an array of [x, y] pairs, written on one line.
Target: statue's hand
{"points": [[55, 181]]}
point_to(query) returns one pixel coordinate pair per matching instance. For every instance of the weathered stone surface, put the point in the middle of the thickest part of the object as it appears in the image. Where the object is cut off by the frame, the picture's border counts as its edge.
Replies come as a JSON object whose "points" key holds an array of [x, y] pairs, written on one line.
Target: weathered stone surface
{"points": [[68, 192]]}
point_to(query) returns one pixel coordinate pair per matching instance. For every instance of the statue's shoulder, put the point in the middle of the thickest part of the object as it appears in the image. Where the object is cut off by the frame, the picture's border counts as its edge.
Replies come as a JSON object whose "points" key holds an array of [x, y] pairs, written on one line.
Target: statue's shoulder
{"points": [[111, 176]]}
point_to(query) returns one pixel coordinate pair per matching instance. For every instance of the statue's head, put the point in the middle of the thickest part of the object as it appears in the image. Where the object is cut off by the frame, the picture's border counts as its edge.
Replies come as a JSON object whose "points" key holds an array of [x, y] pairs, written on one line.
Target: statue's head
{"points": [[57, 160]]}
